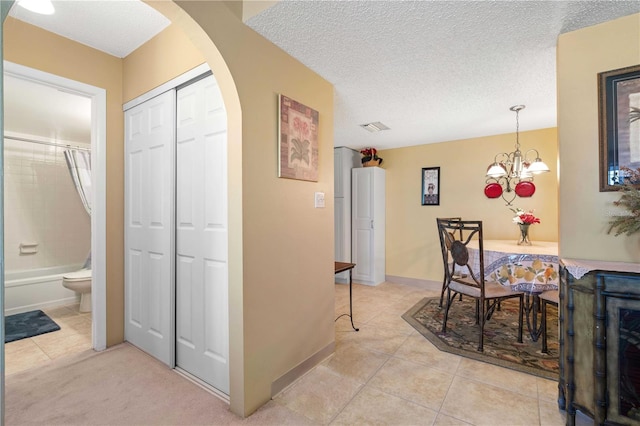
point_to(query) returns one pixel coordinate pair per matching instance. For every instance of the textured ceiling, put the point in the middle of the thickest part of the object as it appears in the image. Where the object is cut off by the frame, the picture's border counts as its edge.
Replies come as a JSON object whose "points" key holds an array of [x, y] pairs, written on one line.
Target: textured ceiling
{"points": [[430, 70], [433, 70]]}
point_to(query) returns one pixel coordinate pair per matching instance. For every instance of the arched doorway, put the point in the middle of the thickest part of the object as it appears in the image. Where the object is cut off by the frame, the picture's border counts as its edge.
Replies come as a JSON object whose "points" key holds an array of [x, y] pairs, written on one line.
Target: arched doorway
{"points": [[114, 290]]}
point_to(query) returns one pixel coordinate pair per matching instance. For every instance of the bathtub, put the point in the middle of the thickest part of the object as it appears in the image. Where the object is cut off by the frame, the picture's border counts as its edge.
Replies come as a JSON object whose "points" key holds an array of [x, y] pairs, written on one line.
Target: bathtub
{"points": [[32, 289]]}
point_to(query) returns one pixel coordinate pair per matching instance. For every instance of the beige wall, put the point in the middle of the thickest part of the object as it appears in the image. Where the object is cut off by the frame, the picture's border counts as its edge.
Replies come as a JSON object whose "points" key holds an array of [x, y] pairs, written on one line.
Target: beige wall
{"points": [[282, 301], [281, 248], [584, 211], [159, 60], [33, 47], [288, 245], [413, 247]]}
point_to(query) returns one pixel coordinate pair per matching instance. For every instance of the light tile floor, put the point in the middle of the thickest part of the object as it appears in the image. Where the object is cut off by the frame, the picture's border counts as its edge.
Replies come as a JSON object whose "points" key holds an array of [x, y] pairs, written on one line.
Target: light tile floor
{"points": [[388, 373], [74, 336], [385, 374]]}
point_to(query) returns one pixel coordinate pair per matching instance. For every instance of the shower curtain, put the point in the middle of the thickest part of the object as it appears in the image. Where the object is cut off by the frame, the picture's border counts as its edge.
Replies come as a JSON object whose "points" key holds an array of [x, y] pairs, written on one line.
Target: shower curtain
{"points": [[79, 163]]}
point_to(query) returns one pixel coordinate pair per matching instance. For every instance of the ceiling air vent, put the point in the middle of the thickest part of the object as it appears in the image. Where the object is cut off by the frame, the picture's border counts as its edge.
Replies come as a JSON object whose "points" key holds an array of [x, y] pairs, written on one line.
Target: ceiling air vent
{"points": [[374, 127]]}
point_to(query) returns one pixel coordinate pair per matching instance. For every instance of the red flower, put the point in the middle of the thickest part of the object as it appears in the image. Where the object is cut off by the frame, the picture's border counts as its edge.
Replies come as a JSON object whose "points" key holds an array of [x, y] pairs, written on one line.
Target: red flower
{"points": [[529, 218], [523, 217], [369, 152]]}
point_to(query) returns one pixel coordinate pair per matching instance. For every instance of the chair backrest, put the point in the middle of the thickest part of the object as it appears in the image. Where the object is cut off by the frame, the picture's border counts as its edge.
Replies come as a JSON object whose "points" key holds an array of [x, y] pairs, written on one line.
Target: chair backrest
{"points": [[455, 235], [446, 257]]}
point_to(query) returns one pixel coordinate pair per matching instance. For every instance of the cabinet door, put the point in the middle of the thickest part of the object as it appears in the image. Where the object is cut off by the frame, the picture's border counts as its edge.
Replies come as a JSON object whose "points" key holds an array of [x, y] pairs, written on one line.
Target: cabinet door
{"points": [[363, 231], [338, 173], [338, 222], [344, 159]]}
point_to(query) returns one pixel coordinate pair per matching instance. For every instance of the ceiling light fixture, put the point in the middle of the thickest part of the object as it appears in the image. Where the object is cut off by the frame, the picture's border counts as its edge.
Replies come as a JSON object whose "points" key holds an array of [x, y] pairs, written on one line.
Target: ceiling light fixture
{"points": [[513, 172], [374, 127], [43, 7]]}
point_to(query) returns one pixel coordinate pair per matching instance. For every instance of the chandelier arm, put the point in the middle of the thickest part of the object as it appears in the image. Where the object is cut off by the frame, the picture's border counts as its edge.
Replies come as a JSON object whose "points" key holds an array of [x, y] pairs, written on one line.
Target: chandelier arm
{"points": [[507, 183], [507, 201], [502, 155], [526, 158], [508, 194]]}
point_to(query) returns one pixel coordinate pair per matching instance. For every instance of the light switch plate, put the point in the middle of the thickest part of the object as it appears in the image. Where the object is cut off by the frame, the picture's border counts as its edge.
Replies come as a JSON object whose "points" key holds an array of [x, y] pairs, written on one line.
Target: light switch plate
{"points": [[319, 200]]}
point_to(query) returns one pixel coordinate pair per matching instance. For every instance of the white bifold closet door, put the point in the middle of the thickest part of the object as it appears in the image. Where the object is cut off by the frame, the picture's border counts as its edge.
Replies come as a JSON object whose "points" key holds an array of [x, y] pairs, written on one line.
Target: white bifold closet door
{"points": [[176, 232], [202, 329], [149, 225]]}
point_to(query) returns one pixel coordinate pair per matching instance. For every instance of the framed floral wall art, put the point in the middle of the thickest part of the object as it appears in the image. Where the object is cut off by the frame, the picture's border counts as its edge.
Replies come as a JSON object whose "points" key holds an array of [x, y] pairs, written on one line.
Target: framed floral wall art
{"points": [[297, 140], [619, 111]]}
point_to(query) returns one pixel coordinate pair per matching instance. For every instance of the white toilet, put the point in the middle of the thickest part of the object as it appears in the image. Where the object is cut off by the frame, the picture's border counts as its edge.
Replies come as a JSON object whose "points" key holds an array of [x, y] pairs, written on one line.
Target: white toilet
{"points": [[80, 282]]}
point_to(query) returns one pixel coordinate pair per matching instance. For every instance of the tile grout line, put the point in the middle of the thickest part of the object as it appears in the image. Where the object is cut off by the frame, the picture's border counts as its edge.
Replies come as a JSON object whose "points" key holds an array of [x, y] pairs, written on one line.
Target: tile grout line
{"points": [[59, 320], [362, 386], [392, 356], [456, 373]]}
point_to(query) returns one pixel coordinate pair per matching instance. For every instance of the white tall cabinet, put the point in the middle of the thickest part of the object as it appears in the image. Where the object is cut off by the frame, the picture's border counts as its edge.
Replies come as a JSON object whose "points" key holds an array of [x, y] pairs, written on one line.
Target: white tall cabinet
{"points": [[368, 225], [344, 159]]}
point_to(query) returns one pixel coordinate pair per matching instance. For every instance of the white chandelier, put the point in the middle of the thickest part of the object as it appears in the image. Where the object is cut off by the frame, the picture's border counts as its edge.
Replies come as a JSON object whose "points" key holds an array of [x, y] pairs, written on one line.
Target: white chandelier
{"points": [[513, 172]]}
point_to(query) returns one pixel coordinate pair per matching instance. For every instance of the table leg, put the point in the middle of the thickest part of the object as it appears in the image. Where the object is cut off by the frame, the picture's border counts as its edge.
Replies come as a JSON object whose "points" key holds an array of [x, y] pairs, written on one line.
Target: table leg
{"points": [[351, 301], [350, 314], [531, 310]]}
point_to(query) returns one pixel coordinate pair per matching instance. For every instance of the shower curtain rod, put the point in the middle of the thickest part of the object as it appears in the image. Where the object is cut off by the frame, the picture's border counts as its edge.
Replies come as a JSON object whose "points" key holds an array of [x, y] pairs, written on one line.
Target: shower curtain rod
{"points": [[47, 143]]}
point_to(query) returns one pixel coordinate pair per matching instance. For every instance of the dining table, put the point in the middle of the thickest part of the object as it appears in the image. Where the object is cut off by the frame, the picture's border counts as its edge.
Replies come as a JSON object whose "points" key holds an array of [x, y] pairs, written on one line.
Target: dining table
{"points": [[531, 269]]}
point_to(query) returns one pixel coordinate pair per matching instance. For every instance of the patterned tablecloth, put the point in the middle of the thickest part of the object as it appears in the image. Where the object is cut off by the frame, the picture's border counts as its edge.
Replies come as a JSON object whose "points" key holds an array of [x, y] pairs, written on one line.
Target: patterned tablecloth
{"points": [[531, 268]]}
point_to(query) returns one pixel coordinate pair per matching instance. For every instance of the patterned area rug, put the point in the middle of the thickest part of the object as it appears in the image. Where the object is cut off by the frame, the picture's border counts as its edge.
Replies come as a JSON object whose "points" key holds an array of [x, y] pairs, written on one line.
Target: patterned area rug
{"points": [[27, 324], [501, 345]]}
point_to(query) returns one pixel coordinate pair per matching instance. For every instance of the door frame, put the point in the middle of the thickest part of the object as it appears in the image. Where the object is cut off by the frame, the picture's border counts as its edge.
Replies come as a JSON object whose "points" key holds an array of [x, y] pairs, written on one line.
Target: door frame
{"points": [[98, 98]]}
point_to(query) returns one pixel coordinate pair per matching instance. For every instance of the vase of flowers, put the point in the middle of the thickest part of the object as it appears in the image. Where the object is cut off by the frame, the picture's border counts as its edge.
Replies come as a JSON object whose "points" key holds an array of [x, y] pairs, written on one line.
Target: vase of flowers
{"points": [[524, 220], [370, 157]]}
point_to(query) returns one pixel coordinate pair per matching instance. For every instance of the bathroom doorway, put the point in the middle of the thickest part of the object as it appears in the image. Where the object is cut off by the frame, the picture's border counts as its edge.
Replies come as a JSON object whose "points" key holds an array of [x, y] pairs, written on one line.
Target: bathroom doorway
{"points": [[53, 126]]}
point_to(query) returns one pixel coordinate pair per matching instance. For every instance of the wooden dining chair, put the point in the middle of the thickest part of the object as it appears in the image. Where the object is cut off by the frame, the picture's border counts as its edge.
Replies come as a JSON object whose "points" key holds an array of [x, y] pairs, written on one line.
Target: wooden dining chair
{"points": [[550, 297], [486, 294], [446, 256]]}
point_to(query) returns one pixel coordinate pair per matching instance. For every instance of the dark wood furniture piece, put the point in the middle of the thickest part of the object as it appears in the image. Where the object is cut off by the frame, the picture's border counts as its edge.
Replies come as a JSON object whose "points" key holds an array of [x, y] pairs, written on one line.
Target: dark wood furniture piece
{"points": [[465, 282], [599, 319], [341, 267]]}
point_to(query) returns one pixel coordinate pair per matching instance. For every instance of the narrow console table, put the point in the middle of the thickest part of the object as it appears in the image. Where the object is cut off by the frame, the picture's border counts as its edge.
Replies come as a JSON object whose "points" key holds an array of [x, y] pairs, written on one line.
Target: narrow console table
{"points": [[599, 359], [341, 267]]}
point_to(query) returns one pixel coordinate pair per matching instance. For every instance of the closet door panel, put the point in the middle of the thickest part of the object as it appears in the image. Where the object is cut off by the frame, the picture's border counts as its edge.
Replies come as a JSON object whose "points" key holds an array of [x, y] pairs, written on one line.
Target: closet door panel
{"points": [[149, 176], [215, 343], [215, 211], [202, 347]]}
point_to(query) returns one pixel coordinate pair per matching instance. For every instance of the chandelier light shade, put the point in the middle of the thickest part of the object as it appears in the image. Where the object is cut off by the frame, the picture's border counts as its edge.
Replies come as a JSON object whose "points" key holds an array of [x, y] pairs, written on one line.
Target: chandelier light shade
{"points": [[511, 174]]}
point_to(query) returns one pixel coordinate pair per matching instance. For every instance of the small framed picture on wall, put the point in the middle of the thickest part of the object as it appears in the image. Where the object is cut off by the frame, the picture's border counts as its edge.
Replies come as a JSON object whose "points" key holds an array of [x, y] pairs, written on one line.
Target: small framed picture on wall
{"points": [[430, 186]]}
